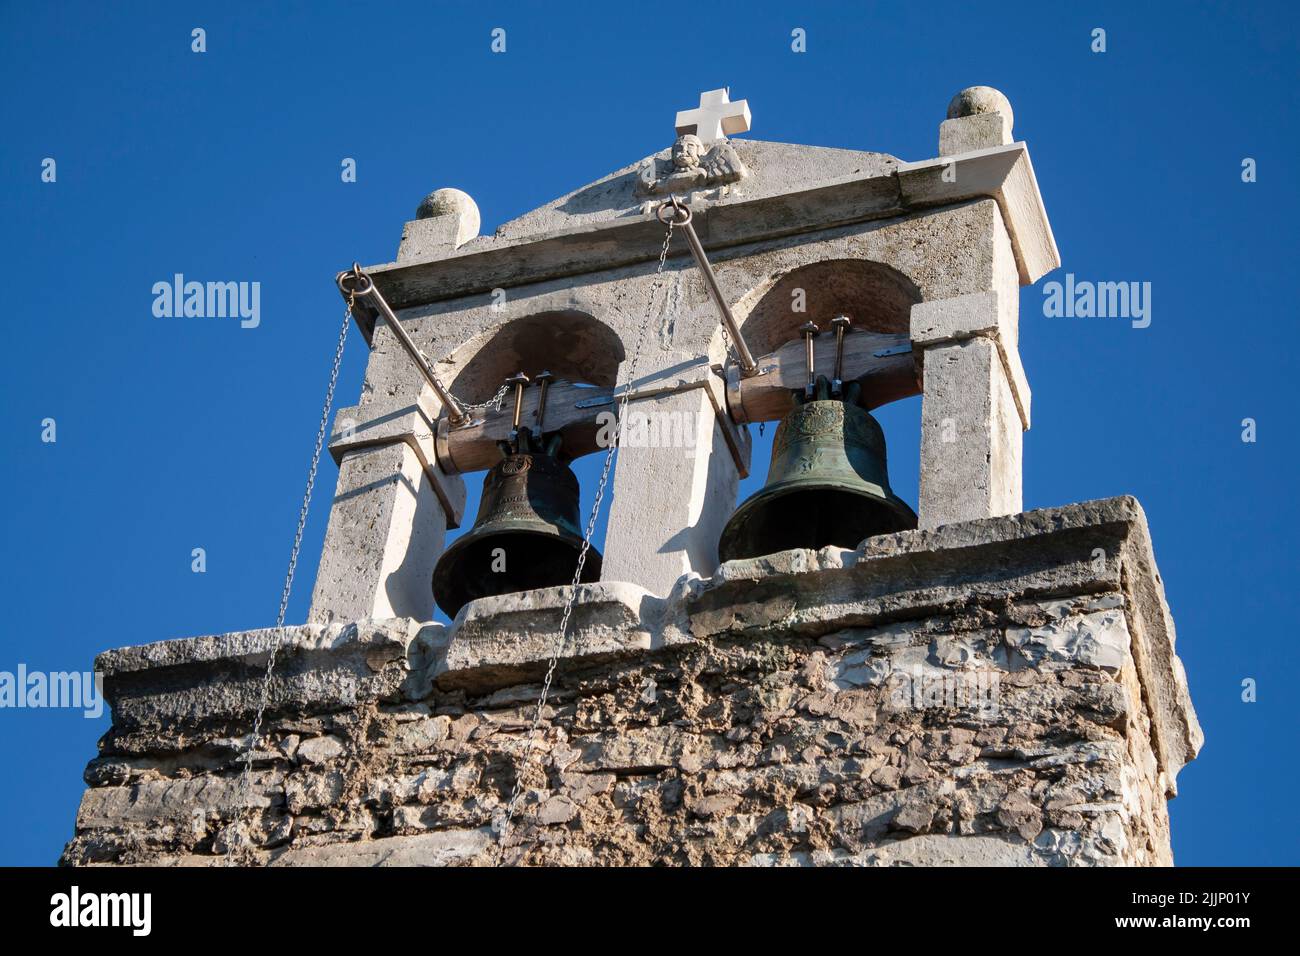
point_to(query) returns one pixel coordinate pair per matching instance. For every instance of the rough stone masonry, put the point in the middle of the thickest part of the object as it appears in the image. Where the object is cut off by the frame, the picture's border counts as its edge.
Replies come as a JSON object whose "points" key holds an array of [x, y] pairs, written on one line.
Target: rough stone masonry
{"points": [[1002, 691]]}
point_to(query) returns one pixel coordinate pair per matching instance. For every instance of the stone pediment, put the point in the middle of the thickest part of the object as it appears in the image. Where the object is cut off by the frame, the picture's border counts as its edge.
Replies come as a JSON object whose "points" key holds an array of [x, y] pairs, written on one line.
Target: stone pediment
{"points": [[769, 169]]}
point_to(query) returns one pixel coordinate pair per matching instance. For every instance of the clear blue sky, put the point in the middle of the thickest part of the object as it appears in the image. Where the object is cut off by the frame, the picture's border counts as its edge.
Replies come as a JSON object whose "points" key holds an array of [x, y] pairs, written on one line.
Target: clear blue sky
{"points": [[176, 434]]}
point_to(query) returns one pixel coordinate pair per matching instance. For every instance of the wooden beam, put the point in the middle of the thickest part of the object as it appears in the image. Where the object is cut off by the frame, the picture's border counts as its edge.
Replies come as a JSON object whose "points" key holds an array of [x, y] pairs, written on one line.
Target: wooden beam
{"points": [[883, 363]]}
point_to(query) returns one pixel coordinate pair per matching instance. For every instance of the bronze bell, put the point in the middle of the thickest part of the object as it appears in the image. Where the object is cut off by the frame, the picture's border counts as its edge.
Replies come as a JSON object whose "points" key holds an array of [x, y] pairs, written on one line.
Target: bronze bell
{"points": [[526, 534], [827, 484]]}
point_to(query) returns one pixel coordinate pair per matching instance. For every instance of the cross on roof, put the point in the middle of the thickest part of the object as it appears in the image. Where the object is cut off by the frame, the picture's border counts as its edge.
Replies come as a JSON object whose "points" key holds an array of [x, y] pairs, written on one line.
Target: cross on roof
{"points": [[715, 116]]}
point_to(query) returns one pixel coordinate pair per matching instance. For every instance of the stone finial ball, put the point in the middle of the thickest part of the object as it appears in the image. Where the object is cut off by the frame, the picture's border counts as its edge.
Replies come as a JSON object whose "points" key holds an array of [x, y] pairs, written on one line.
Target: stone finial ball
{"points": [[980, 99], [449, 202]]}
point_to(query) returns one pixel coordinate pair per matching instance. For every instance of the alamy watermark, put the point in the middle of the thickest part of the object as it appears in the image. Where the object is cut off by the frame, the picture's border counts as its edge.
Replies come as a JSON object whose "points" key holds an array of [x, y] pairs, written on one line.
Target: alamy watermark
{"points": [[653, 429], [208, 300], [917, 688], [55, 689], [75, 908], [1085, 299]]}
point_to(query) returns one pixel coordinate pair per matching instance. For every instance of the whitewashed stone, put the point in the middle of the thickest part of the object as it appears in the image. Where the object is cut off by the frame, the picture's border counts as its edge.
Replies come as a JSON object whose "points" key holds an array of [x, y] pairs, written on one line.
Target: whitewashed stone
{"points": [[384, 537], [671, 498]]}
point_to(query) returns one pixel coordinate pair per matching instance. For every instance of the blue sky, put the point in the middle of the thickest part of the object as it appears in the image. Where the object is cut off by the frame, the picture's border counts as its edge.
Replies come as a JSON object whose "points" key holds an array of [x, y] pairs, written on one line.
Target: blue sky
{"points": [[176, 434]]}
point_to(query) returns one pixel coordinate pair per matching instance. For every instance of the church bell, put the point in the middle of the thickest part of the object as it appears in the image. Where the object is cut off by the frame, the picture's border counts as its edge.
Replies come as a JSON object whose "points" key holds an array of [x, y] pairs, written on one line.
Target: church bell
{"points": [[827, 483], [526, 534]]}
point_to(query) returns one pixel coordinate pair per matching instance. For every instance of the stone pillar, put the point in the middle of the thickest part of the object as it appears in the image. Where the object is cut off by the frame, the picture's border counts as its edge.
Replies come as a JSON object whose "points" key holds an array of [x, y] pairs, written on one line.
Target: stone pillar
{"points": [[674, 487], [975, 399], [390, 514], [974, 407]]}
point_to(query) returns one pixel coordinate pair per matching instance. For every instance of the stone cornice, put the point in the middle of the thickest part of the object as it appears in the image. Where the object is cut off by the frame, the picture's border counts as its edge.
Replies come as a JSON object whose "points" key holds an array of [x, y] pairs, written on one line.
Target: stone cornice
{"points": [[1003, 173]]}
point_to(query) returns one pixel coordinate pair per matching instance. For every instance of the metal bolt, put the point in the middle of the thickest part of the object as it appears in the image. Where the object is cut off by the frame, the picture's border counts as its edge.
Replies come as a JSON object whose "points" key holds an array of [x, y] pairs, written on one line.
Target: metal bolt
{"points": [[544, 379], [841, 323], [518, 380], [809, 331]]}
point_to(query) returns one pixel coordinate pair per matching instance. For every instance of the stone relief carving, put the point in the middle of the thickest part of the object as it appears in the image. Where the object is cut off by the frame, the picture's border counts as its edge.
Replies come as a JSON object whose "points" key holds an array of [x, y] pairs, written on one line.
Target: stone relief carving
{"points": [[691, 168]]}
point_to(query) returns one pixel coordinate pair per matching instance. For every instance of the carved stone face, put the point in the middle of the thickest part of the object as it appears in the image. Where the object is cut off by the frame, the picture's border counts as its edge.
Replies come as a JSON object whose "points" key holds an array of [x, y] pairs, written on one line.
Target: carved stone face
{"points": [[686, 151]]}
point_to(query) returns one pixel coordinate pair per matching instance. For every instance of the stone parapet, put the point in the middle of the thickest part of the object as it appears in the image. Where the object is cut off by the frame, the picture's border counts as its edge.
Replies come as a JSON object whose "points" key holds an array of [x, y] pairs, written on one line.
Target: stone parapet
{"points": [[995, 692]]}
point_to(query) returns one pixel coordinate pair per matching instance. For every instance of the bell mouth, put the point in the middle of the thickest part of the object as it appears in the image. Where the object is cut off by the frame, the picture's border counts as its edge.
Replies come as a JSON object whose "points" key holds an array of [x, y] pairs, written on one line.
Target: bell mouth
{"points": [[816, 515], [533, 559]]}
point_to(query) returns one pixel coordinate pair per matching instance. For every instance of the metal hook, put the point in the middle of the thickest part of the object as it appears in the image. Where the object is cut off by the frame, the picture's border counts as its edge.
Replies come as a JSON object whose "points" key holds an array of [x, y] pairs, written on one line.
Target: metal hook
{"points": [[354, 283], [681, 214]]}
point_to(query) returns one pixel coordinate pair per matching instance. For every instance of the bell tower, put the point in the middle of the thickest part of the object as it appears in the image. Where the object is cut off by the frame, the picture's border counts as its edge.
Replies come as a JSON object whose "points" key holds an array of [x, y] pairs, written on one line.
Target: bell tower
{"points": [[834, 671]]}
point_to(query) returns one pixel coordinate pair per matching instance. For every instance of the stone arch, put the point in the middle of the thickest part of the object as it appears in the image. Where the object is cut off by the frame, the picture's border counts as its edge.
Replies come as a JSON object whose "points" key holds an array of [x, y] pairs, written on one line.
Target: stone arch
{"points": [[877, 297], [573, 344]]}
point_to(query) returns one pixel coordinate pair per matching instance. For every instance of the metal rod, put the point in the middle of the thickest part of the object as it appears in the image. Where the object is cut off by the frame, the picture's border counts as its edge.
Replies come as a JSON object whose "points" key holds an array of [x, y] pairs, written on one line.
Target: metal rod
{"points": [[544, 379], [809, 330], [747, 364], [518, 380], [363, 287], [841, 323]]}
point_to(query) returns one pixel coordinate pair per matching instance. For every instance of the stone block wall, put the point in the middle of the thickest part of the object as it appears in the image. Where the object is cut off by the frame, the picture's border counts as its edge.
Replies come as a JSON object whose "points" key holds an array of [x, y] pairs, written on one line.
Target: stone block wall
{"points": [[994, 692]]}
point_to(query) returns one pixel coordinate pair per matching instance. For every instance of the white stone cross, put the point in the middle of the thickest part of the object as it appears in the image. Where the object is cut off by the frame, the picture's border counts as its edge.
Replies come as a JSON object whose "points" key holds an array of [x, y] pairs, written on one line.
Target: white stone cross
{"points": [[715, 116]]}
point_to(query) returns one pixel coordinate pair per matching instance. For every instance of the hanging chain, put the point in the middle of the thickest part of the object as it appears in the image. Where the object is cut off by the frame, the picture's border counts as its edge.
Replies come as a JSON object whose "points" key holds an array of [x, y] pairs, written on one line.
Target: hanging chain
{"points": [[729, 351], [494, 401], [245, 781], [553, 661]]}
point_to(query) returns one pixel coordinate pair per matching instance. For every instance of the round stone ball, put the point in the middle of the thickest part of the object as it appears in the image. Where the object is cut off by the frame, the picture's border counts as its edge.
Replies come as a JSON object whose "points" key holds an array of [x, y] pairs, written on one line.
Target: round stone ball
{"points": [[979, 99], [448, 202]]}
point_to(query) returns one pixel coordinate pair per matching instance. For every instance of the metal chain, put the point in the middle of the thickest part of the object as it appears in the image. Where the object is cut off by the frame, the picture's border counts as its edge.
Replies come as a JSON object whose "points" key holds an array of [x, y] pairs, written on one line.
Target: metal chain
{"points": [[246, 778], [554, 659], [729, 351], [494, 400]]}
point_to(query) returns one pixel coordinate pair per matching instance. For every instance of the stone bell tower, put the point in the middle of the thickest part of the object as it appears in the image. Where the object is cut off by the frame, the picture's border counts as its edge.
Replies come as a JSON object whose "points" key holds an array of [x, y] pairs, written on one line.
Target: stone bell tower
{"points": [[994, 687]]}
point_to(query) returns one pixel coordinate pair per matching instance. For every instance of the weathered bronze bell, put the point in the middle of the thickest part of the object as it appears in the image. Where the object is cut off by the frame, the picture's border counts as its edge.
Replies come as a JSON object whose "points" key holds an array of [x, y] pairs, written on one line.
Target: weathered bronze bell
{"points": [[526, 534], [827, 484]]}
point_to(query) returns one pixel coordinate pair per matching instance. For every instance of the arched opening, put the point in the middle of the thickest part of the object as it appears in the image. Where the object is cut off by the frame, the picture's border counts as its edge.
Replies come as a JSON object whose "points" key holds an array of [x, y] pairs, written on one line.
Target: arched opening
{"points": [[532, 508], [875, 296], [815, 484], [573, 345]]}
